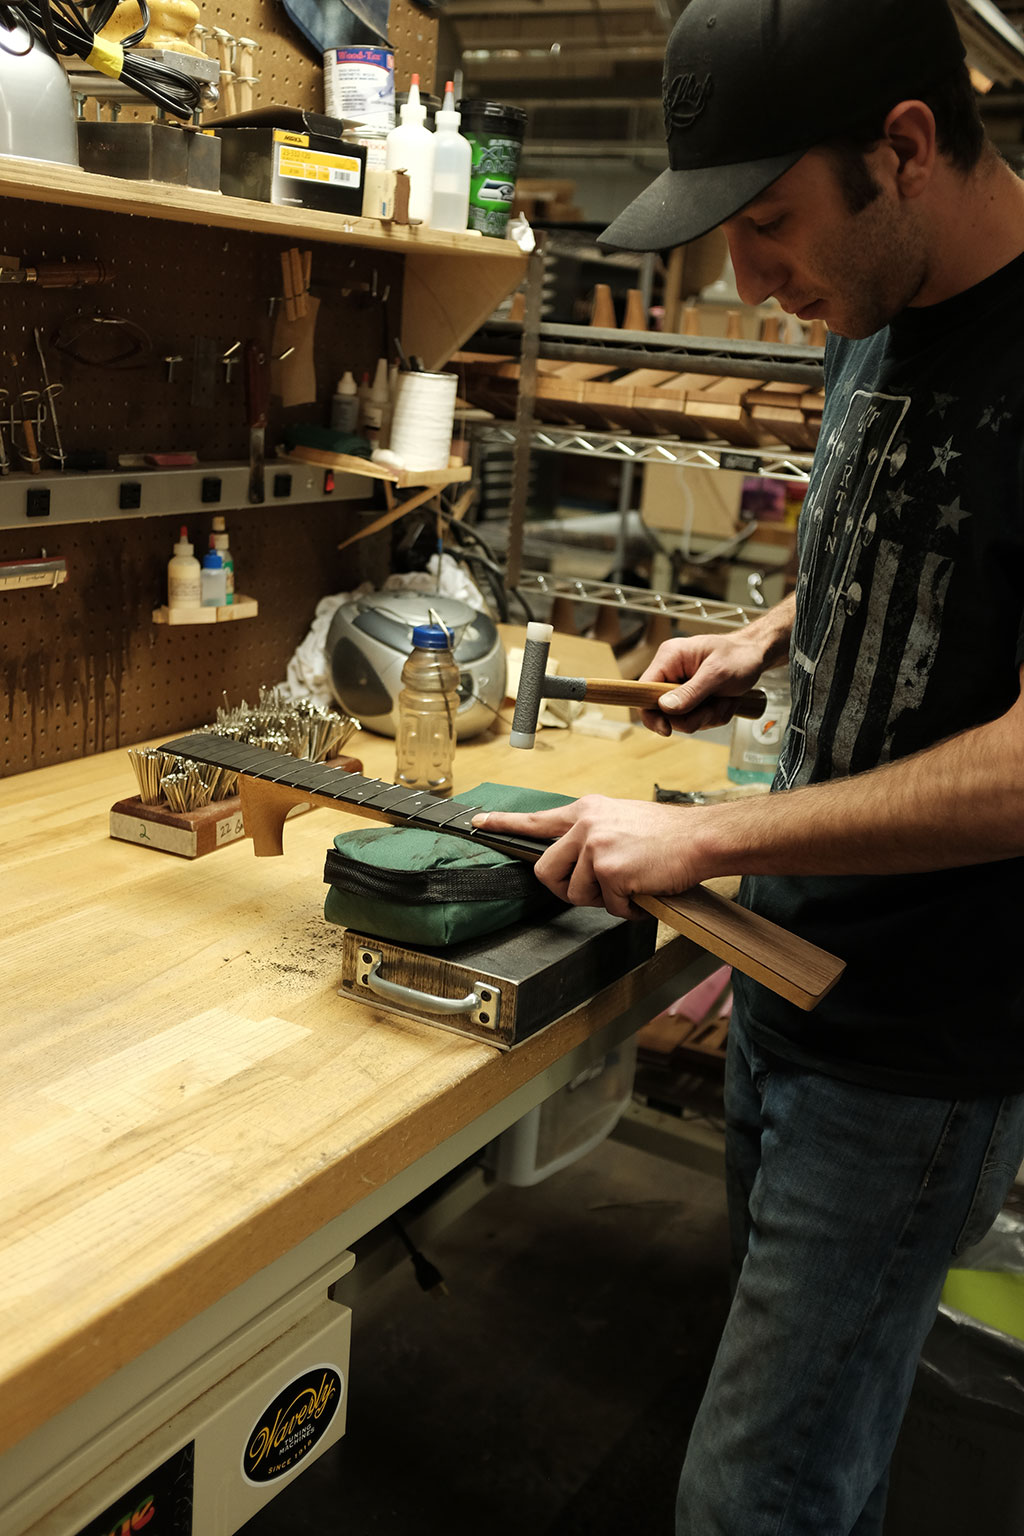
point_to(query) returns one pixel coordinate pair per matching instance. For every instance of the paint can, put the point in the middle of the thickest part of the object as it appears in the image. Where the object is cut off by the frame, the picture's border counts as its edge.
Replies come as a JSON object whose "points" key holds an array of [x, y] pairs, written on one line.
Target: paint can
{"points": [[359, 86], [421, 424], [495, 132]]}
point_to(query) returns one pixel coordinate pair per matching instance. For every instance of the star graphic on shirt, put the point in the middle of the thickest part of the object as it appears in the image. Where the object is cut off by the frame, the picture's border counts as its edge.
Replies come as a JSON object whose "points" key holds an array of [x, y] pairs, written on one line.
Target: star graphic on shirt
{"points": [[897, 500], [994, 418], [942, 403], [944, 456], [897, 458], [953, 515]]}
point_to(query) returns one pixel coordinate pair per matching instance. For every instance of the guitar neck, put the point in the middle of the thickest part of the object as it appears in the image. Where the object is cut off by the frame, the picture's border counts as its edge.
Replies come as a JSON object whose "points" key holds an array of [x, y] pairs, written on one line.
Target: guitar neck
{"points": [[270, 783], [354, 792]]}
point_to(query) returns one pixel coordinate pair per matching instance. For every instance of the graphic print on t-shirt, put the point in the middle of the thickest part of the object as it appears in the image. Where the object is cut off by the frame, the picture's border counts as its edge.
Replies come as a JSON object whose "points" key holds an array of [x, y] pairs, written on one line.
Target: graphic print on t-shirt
{"points": [[865, 584]]}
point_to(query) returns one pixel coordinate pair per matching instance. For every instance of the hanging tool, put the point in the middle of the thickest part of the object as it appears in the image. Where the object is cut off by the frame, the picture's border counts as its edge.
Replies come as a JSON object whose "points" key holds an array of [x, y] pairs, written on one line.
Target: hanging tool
{"points": [[30, 452], [257, 389], [51, 391], [57, 274]]}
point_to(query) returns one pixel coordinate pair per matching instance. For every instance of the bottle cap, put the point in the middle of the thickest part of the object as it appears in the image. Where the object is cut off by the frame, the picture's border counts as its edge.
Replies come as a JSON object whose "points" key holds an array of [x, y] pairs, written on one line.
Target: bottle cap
{"points": [[447, 117], [218, 524], [430, 637], [212, 560], [412, 111]]}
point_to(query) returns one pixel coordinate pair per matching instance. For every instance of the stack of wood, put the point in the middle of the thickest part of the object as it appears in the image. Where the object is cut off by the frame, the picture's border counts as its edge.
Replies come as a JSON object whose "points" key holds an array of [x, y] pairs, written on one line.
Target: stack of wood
{"points": [[547, 200], [648, 402]]}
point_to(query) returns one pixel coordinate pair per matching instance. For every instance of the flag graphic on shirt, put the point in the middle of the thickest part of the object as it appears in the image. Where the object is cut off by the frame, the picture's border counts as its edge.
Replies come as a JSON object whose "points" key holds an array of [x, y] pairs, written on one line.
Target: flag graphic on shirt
{"points": [[876, 562]]}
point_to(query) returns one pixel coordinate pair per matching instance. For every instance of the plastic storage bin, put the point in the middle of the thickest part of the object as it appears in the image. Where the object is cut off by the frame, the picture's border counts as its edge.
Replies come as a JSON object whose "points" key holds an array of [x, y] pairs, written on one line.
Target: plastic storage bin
{"points": [[569, 1124]]}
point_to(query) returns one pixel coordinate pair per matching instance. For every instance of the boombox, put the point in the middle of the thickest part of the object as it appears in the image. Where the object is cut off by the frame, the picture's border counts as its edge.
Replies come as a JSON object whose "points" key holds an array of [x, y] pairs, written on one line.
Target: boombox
{"points": [[370, 638]]}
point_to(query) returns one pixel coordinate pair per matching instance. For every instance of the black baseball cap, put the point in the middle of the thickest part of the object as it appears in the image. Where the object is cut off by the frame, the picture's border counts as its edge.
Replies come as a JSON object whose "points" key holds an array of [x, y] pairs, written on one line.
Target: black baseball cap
{"points": [[750, 85]]}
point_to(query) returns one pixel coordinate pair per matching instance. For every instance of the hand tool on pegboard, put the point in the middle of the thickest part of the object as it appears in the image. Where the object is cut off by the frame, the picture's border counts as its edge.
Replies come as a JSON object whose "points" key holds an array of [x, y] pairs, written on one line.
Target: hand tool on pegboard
{"points": [[257, 388], [30, 452]]}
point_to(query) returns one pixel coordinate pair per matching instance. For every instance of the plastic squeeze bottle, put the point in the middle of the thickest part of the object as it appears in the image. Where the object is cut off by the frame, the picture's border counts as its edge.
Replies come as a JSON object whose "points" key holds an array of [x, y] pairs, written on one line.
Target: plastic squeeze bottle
{"points": [[213, 578], [410, 148], [427, 706], [453, 161], [345, 405], [183, 589], [376, 405], [219, 541]]}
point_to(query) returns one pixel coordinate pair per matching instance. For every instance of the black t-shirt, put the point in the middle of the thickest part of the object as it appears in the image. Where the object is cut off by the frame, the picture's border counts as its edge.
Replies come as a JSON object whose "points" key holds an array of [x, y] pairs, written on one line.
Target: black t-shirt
{"points": [[910, 600]]}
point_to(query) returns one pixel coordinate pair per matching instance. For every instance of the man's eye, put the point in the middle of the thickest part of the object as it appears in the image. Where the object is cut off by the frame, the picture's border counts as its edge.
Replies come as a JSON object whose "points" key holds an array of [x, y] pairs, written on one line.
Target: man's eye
{"points": [[772, 226]]}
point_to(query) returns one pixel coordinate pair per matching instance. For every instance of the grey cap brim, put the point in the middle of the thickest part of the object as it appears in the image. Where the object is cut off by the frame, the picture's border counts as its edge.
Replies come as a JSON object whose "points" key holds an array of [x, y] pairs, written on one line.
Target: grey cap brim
{"points": [[683, 205]]}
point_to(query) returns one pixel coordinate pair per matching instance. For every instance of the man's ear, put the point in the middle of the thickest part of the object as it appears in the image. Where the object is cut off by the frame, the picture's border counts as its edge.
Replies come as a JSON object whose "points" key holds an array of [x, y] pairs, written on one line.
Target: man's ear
{"points": [[910, 134]]}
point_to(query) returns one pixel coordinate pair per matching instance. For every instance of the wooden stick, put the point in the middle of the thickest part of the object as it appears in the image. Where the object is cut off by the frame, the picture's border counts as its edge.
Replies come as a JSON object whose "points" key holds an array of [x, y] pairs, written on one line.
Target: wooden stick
{"points": [[288, 289]]}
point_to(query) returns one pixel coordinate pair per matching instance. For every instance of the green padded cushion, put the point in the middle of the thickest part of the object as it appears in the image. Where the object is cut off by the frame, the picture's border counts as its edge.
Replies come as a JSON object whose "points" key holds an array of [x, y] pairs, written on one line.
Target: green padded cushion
{"points": [[413, 907]]}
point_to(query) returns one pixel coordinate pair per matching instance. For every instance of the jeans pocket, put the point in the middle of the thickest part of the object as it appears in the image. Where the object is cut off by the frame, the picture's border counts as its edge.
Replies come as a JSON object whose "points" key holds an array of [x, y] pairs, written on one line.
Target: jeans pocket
{"points": [[1003, 1157]]}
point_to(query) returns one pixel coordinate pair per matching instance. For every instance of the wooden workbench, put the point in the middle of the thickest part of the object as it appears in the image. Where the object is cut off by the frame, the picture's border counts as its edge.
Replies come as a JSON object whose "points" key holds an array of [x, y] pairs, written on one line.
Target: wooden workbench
{"points": [[185, 1100]]}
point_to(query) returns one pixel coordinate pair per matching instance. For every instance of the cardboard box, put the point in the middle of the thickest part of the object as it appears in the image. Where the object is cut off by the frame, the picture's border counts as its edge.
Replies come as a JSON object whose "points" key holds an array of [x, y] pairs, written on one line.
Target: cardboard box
{"points": [[297, 169], [680, 500]]}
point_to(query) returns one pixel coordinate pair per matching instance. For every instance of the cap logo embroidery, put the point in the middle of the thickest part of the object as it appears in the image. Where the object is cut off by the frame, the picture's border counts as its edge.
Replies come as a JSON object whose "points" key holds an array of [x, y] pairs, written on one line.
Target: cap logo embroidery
{"points": [[685, 100]]}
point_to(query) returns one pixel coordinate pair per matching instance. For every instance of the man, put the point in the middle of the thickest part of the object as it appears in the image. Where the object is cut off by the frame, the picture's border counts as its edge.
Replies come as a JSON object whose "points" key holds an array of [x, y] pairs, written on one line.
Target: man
{"points": [[870, 1141]]}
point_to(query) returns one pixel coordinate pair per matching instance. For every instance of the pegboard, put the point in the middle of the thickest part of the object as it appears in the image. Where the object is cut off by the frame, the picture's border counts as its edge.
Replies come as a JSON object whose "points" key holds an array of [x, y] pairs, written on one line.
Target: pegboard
{"points": [[286, 72], [82, 667], [192, 292]]}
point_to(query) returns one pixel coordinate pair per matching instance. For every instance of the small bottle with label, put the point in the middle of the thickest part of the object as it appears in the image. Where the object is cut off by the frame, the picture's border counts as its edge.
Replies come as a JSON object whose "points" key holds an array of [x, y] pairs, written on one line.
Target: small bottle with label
{"points": [[756, 744], [219, 541], [427, 707], [183, 588], [213, 578], [345, 405]]}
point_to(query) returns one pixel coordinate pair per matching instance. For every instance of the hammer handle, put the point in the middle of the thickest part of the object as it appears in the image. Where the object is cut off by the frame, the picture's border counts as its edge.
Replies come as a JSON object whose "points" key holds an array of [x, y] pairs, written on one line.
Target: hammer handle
{"points": [[614, 690]]}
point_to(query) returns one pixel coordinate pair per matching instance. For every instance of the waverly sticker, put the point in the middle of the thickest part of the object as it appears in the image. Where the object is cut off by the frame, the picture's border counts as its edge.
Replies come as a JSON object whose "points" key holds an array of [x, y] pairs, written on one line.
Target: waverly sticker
{"points": [[292, 1425]]}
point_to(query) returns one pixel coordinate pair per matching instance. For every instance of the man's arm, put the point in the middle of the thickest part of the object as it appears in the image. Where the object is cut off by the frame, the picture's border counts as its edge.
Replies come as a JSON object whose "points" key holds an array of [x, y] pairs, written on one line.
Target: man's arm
{"points": [[960, 802]]}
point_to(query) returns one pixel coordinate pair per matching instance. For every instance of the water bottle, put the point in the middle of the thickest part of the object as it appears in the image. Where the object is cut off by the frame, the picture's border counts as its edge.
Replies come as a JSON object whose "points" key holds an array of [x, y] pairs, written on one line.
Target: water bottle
{"points": [[427, 705], [756, 744]]}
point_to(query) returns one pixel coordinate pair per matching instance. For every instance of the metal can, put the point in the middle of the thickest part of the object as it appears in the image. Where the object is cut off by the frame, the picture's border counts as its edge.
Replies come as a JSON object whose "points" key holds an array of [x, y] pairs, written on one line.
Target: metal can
{"points": [[359, 86]]}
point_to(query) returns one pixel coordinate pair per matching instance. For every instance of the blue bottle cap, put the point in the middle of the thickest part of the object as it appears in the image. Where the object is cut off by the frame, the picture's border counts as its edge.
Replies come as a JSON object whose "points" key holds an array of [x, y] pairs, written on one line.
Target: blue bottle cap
{"points": [[212, 560], [430, 637]]}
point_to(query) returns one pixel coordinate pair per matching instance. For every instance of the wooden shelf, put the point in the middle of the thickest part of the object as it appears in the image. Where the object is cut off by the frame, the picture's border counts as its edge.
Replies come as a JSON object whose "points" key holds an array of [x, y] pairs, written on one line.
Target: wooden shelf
{"points": [[227, 613], [403, 480], [453, 280]]}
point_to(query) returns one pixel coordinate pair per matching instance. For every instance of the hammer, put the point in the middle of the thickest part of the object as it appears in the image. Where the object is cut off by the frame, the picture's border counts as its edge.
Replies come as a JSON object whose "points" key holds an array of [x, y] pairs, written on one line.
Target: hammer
{"points": [[535, 685]]}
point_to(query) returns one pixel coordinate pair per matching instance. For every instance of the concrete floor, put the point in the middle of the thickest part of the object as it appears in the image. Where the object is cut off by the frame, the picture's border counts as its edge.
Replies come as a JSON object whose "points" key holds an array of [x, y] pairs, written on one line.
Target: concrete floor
{"points": [[552, 1391]]}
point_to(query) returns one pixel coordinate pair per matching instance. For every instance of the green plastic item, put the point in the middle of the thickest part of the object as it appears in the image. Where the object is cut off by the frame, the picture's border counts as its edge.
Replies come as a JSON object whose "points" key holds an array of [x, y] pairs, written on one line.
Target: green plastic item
{"points": [[414, 886], [995, 1297]]}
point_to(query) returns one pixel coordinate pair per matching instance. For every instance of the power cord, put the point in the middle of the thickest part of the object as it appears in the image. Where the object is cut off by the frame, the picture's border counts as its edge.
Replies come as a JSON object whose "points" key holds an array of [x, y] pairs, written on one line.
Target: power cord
{"points": [[428, 1276], [63, 26]]}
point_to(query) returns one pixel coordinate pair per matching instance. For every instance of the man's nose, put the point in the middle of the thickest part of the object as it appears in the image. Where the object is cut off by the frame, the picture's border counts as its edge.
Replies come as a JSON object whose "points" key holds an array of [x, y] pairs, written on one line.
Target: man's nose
{"points": [[758, 273]]}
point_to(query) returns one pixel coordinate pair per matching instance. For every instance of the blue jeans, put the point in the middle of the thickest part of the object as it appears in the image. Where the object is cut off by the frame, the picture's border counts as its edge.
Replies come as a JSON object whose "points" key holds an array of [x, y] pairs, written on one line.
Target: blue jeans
{"points": [[847, 1206]]}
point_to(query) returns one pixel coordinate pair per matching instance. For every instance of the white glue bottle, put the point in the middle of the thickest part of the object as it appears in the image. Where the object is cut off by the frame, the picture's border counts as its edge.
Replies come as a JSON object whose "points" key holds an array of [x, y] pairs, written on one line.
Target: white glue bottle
{"points": [[183, 589], [376, 405], [345, 405], [410, 148], [219, 541], [453, 160]]}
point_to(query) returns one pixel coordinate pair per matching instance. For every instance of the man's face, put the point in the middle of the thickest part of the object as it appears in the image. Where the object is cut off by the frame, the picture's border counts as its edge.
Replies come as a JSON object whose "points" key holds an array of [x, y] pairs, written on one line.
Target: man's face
{"points": [[800, 243]]}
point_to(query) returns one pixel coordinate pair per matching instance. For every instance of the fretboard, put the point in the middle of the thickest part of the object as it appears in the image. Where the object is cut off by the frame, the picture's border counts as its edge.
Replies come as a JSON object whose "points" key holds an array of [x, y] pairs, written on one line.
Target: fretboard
{"points": [[394, 802]]}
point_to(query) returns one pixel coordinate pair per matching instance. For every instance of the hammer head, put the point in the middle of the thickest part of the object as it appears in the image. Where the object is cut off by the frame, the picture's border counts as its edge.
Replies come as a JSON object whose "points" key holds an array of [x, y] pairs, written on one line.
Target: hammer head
{"points": [[531, 681]]}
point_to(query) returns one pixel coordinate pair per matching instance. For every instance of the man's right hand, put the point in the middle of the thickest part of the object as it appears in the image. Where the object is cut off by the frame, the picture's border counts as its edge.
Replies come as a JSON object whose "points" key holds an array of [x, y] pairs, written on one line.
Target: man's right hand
{"points": [[714, 670]]}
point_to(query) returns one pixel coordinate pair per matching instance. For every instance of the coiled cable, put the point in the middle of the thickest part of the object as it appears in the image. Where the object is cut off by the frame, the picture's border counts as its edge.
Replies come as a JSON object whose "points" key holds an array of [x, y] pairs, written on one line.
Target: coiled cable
{"points": [[63, 26]]}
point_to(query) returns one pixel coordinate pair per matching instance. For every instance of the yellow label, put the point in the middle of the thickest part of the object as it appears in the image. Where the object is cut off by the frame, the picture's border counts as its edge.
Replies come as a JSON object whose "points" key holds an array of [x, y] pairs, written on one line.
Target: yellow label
{"points": [[107, 57], [314, 165], [282, 137]]}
